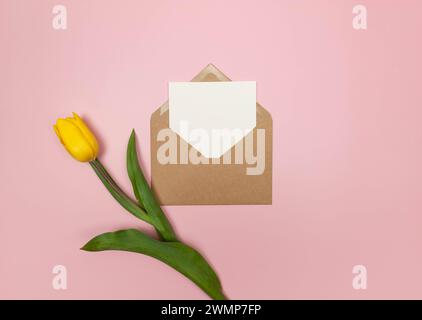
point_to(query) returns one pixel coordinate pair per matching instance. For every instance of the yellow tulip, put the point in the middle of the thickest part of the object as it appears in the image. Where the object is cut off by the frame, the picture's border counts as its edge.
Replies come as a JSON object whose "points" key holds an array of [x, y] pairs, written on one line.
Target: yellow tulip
{"points": [[77, 138]]}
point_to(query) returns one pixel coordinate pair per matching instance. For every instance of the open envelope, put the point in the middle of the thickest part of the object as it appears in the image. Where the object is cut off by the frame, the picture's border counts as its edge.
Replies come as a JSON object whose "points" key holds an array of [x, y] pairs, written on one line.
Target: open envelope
{"points": [[234, 178]]}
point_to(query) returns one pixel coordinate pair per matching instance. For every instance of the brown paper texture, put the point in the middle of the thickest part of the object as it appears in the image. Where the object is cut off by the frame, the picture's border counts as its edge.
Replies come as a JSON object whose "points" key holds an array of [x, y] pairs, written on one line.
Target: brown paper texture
{"points": [[210, 184]]}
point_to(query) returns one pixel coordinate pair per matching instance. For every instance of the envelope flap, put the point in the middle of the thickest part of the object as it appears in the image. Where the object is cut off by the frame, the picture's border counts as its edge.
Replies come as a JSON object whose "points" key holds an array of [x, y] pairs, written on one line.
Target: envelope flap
{"points": [[210, 73]]}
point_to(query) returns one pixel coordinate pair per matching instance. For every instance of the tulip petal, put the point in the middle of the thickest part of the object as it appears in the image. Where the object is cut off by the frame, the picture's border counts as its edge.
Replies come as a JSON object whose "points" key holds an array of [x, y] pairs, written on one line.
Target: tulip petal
{"points": [[87, 138], [74, 140], [87, 132], [56, 130]]}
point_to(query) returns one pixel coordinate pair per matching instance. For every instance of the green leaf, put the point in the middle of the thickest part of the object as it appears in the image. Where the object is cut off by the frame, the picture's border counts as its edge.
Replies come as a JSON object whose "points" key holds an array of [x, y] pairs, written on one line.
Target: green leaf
{"points": [[117, 193], [144, 193], [175, 254]]}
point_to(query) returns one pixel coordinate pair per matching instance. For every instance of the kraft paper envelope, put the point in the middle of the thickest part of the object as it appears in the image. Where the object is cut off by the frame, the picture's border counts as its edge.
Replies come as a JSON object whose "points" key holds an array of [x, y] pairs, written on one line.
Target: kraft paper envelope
{"points": [[234, 178]]}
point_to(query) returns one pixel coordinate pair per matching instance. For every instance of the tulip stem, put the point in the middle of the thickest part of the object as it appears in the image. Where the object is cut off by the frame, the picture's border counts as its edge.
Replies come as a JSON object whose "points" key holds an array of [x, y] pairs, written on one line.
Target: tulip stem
{"points": [[118, 193]]}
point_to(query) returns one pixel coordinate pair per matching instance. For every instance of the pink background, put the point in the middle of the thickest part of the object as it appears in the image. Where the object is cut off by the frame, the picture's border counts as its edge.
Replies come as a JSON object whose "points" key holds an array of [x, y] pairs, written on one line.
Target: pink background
{"points": [[346, 107]]}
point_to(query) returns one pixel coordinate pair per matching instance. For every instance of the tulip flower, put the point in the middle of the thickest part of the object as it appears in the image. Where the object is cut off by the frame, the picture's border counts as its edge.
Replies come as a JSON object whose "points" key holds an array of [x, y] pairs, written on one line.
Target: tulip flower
{"points": [[77, 138], [81, 143]]}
